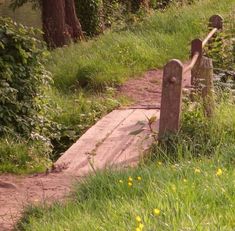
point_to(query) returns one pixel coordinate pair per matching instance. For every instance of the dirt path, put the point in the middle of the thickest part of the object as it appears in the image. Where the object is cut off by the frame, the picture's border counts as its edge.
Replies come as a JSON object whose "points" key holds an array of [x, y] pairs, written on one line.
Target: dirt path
{"points": [[107, 144], [145, 91], [16, 192]]}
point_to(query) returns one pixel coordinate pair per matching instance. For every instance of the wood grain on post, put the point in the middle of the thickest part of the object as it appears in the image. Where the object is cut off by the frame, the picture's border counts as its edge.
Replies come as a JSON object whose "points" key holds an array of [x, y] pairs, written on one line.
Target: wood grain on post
{"points": [[206, 71], [196, 47], [171, 98]]}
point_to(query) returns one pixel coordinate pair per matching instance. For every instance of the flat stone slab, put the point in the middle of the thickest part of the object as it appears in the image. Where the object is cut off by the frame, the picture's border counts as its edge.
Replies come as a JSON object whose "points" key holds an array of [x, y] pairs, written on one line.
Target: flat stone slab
{"points": [[118, 139]]}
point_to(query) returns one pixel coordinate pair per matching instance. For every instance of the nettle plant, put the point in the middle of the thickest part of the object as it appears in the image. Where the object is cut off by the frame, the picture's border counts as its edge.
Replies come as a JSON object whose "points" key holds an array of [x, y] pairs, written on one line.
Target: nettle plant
{"points": [[22, 80]]}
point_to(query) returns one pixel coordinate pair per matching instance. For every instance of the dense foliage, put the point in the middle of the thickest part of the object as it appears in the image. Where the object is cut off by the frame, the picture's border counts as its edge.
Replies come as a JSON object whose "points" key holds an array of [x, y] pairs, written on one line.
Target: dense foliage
{"points": [[22, 76], [97, 15], [89, 13]]}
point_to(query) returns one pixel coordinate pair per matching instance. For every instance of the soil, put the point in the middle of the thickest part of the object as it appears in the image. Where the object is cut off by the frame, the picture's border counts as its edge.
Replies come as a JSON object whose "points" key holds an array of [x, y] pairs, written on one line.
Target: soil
{"points": [[145, 91], [16, 192]]}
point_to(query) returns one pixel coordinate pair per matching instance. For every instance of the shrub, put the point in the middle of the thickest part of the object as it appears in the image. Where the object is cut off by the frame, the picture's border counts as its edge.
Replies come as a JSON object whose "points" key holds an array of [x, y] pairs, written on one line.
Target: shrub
{"points": [[22, 77], [90, 14]]}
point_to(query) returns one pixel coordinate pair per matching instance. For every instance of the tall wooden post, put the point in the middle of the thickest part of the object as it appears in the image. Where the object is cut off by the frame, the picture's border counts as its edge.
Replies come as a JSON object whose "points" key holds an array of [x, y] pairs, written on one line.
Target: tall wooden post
{"points": [[171, 98], [196, 47]]}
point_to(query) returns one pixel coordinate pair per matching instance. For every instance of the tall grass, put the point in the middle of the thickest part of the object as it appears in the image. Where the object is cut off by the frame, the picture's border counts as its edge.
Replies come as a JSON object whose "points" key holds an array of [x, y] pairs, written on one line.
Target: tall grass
{"points": [[22, 156], [180, 193], [115, 56]]}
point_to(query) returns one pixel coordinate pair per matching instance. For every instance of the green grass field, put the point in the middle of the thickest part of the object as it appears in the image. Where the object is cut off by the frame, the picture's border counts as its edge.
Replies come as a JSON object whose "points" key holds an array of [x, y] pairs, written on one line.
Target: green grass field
{"points": [[187, 185]]}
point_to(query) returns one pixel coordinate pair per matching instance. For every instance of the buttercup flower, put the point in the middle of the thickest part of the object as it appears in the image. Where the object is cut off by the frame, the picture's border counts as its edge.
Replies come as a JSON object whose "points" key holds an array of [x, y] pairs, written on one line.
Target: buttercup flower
{"points": [[139, 178], [138, 218], [219, 172], [120, 181], [157, 212], [130, 184], [130, 178], [197, 170]]}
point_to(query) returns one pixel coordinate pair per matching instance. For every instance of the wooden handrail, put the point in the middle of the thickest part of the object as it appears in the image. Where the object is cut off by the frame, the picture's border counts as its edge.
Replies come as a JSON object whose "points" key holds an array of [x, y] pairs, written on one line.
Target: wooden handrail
{"points": [[173, 80], [209, 36], [216, 21], [192, 63]]}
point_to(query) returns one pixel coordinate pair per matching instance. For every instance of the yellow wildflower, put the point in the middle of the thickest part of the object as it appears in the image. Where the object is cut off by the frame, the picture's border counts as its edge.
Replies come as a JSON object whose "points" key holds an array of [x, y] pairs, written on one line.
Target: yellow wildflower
{"points": [[139, 178], [219, 172], [141, 226], [130, 184], [120, 181], [185, 180], [159, 163], [157, 212], [197, 170], [137, 229], [130, 178], [138, 218]]}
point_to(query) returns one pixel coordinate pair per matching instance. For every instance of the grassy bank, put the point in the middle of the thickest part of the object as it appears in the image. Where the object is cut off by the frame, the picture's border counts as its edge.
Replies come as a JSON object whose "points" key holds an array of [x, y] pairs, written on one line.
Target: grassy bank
{"points": [[113, 57], [186, 185]]}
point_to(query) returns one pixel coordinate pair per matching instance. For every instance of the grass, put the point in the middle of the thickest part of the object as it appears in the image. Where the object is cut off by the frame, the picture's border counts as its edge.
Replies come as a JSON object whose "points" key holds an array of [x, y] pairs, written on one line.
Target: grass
{"points": [[115, 56], [180, 188], [23, 157]]}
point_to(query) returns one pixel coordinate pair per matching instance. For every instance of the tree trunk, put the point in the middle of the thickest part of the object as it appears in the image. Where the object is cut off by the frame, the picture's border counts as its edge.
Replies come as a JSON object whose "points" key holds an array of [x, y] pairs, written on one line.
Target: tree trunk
{"points": [[72, 21], [60, 23], [53, 18]]}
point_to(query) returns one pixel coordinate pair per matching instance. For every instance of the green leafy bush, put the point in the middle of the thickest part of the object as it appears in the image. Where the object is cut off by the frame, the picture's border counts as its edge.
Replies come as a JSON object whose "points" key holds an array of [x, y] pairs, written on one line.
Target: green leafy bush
{"points": [[90, 15], [22, 79]]}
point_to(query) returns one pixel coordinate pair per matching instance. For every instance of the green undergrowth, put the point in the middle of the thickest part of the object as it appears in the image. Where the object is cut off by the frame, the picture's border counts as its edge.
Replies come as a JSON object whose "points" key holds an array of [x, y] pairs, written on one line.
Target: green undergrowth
{"points": [[186, 185], [72, 115], [76, 112], [23, 157], [115, 56]]}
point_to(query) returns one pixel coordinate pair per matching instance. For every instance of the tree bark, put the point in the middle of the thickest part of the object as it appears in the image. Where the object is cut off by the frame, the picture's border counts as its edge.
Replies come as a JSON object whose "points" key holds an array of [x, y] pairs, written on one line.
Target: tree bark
{"points": [[72, 21], [53, 18], [60, 23]]}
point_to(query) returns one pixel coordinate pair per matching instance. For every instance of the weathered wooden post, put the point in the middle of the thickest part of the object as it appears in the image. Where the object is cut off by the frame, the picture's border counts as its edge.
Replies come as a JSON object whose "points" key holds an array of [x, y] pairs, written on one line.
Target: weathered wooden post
{"points": [[196, 47], [206, 70], [171, 98]]}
